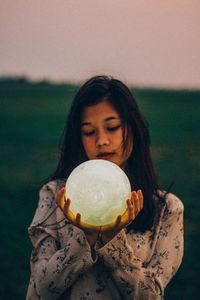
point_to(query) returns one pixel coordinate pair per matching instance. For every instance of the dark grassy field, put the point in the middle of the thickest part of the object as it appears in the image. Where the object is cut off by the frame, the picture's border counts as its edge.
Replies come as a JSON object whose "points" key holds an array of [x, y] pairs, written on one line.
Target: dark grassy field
{"points": [[32, 120]]}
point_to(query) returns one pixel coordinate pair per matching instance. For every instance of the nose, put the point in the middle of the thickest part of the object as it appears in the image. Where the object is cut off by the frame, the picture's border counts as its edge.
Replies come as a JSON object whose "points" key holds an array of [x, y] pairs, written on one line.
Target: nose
{"points": [[102, 139]]}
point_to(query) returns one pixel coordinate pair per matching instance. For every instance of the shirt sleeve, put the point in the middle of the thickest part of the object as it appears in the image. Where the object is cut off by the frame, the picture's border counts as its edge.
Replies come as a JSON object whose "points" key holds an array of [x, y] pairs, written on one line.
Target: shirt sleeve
{"points": [[54, 269], [136, 279]]}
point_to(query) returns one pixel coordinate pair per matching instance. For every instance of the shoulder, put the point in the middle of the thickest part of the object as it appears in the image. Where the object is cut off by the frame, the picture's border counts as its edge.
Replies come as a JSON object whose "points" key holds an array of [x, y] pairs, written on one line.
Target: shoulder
{"points": [[174, 203], [46, 204], [48, 193], [51, 188], [173, 206]]}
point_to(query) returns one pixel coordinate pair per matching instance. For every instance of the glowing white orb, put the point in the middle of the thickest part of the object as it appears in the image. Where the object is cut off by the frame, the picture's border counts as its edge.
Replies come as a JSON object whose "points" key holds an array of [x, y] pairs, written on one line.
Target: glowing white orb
{"points": [[98, 190]]}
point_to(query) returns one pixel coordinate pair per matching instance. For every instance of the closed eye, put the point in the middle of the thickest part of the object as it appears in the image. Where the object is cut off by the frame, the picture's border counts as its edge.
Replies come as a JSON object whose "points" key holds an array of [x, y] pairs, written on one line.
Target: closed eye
{"points": [[113, 128], [88, 133]]}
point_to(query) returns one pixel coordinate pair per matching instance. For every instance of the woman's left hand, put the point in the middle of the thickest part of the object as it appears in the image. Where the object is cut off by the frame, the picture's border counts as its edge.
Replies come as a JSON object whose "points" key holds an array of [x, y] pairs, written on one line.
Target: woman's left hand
{"points": [[91, 232], [134, 206]]}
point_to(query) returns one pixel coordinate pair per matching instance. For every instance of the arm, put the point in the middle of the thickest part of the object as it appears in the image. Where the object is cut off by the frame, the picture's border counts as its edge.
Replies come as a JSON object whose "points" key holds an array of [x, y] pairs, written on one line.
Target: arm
{"points": [[146, 280], [54, 270]]}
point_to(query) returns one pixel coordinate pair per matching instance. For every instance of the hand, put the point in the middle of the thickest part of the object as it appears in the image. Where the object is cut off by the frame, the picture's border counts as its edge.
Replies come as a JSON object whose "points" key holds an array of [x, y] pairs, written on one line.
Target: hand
{"points": [[91, 232], [134, 206]]}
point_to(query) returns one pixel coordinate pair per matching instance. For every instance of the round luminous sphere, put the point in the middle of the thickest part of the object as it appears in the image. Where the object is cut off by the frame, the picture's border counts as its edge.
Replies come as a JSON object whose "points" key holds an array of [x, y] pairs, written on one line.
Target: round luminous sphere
{"points": [[98, 190]]}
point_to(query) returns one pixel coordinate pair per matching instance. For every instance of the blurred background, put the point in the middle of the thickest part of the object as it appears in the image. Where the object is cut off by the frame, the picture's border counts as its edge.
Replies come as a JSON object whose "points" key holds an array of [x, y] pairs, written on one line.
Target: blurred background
{"points": [[47, 49]]}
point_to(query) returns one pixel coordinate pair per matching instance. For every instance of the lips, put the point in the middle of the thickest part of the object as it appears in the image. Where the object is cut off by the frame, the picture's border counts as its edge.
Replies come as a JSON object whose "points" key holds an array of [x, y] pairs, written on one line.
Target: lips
{"points": [[105, 155]]}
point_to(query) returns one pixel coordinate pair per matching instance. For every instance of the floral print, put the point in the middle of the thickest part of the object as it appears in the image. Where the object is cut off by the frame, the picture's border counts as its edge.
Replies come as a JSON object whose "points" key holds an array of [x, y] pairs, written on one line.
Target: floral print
{"points": [[131, 266]]}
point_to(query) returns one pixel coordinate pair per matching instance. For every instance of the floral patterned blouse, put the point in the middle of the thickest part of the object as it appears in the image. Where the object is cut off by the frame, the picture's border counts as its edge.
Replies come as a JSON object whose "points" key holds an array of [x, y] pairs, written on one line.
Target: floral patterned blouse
{"points": [[131, 266]]}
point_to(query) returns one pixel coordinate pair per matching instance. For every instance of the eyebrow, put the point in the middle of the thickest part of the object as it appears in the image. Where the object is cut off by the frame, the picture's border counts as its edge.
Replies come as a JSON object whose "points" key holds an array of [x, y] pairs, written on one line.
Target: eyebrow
{"points": [[107, 119]]}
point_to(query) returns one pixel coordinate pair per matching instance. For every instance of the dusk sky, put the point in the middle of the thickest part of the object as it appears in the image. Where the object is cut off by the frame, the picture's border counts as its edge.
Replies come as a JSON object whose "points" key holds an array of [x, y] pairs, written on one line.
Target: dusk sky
{"points": [[142, 42]]}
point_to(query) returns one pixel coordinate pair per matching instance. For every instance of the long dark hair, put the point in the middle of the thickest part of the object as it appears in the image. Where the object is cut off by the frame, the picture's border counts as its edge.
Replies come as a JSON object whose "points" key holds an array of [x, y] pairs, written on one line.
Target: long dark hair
{"points": [[139, 169]]}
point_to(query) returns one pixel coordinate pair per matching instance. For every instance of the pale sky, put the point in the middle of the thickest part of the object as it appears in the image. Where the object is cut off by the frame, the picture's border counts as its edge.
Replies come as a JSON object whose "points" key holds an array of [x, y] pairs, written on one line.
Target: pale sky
{"points": [[142, 42]]}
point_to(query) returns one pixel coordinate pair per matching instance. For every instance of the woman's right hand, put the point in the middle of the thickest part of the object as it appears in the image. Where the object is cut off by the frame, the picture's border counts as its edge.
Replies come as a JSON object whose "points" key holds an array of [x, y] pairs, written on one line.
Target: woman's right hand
{"points": [[134, 206], [91, 232]]}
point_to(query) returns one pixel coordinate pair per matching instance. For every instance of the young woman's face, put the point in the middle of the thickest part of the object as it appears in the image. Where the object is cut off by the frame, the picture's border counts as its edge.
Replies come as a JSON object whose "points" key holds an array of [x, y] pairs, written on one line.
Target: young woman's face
{"points": [[102, 134]]}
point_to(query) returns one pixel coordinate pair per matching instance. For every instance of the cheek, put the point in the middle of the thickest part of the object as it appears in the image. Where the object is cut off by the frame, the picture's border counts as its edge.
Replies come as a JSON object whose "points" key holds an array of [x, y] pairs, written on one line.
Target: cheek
{"points": [[130, 149], [130, 146], [119, 138], [84, 143], [87, 145]]}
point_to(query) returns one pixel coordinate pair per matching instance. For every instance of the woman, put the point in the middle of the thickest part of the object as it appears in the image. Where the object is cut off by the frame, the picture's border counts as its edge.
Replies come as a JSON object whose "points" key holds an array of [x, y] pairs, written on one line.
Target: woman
{"points": [[139, 254]]}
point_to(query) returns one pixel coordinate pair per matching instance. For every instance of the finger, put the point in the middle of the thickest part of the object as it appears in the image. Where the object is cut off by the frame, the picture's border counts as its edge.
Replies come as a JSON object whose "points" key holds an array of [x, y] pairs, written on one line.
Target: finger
{"points": [[60, 196], [136, 202], [130, 211], [63, 190], [140, 197], [78, 219], [132, 197], [118, 220], [66, 206]]}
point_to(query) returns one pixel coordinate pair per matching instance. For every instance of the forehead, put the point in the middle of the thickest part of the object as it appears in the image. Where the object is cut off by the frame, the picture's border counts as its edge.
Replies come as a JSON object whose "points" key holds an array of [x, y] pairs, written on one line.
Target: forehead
{"points": [[100, 111]]}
